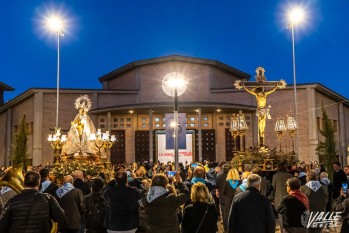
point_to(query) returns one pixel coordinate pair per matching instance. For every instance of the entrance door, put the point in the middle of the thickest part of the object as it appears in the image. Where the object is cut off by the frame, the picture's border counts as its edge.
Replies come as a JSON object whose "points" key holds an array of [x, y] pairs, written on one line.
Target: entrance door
{"points": [[208, 144], [117, 152]]}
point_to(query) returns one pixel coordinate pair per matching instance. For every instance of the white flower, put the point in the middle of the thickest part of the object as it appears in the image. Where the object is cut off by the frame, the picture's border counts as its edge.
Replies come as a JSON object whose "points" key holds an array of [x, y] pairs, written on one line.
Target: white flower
{"points": [[282, 84], [238, 84]]}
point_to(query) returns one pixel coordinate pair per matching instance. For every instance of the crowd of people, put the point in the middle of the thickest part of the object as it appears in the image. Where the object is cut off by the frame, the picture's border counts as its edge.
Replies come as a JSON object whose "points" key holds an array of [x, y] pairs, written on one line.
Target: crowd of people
{"points": [[197, 198]]}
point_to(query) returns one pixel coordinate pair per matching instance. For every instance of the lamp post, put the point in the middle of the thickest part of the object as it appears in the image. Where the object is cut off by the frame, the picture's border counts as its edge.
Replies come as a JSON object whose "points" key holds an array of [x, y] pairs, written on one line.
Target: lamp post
{"points": [[57, 140], [296, 16], [238, 128], [102, 140], [174, 84], [291, 127], [280, 128]]}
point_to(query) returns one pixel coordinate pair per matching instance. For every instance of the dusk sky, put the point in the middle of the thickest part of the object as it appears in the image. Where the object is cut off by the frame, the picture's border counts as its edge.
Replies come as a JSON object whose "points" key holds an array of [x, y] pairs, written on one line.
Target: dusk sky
{"points": [[101, 36]]}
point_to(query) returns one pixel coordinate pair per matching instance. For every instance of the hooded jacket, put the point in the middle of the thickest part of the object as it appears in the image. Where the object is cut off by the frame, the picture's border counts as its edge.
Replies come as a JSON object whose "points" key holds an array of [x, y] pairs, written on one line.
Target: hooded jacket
{"points": [[161, 209]]}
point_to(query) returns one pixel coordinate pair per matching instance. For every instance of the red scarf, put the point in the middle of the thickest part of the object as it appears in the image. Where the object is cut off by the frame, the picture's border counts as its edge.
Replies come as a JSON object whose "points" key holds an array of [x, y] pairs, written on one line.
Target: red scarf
{"points": [[301, 197]]}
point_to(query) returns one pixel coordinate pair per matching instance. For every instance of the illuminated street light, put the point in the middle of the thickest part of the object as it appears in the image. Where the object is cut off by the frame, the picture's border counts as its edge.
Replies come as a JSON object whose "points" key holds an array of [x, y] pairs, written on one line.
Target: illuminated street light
{"points": [[174, 84], [296, 16], [55, 24]]}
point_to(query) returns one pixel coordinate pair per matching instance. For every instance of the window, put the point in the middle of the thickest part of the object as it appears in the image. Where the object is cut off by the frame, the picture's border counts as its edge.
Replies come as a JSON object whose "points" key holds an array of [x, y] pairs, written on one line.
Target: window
{"points": [[157, 125], [128, 126], [205, 118], [247, 118], [122, 120], [205, 125], [227, 124], [102, 126], [192, 118], [163, 119], [128, 119], [192, 125], [115, 119], [115, 125], [221, 124], [144, 125], [122, 126], [221, 118], [164, 125], [227, 118], [101, 120], [157, 119], [143, 119]]}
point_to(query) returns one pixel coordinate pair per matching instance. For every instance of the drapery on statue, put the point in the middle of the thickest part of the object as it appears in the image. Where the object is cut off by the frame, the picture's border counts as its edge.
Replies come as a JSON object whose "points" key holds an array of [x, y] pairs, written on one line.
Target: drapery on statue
{"points": [[258, 90], [78, 144]]}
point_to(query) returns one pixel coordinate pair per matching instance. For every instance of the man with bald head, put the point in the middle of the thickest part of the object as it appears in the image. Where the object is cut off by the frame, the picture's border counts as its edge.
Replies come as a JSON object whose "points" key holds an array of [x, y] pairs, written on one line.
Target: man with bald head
{"points": [[70, 199], [79, 183]]}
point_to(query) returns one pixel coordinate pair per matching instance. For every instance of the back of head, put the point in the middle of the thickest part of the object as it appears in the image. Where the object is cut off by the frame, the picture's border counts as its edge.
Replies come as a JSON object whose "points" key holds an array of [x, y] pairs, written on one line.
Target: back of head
{"points": [[311, 175], [257, 171], [294, 183], [253, 181], [44, 173], [97, 185], [78, 175], [245, 175], [199, 172], [68, 179], [159, 180], [32, 179], [233, 174], [199, 193], [226, 167], [121, 178], [281, 167]]}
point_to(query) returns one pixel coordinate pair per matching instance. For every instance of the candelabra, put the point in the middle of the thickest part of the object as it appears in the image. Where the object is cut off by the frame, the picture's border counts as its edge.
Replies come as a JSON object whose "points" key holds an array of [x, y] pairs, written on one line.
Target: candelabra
{"points": [[238, 128], [57, 142], [280, 129], [292, 128], [102, 140]]}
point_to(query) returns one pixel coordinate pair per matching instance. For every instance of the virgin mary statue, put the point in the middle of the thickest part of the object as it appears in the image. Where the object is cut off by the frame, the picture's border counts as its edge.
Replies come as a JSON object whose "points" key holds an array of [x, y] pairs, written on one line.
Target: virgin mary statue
{"points": [[78, 144]]}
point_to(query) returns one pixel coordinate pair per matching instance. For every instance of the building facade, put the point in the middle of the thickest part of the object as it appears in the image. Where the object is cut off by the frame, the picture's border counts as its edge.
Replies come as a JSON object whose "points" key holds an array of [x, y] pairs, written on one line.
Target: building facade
{"points": [[132, 105]]}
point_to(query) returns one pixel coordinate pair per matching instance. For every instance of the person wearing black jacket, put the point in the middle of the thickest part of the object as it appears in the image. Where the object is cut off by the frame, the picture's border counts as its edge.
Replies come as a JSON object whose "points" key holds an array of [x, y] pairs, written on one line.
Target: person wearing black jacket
{"points": [[122, 201], [95, 208], [293, 207], [30, 211], [70, 199], [339, 177], [341, 204], [79, 183], [201, 216], [46, 186], [250, 211]]}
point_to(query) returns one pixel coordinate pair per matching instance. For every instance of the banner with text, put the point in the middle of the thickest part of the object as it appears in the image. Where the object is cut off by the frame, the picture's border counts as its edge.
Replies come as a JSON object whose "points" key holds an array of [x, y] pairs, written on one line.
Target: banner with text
{"points": [[165, 155]]}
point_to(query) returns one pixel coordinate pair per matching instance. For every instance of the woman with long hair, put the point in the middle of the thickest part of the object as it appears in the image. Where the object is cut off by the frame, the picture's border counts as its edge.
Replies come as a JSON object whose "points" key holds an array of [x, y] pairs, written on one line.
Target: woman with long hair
{"points": [[229, 189], [201, 216]]}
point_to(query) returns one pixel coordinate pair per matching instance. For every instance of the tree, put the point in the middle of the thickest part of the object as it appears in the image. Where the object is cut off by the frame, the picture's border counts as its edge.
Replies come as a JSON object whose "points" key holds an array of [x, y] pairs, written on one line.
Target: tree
{"points": [[21, 143], [327, 149]]}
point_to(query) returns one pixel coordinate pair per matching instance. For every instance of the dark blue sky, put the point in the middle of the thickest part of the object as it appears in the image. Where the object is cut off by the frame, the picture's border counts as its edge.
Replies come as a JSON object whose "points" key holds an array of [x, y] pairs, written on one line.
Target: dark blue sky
{"points": [[106, 34]]}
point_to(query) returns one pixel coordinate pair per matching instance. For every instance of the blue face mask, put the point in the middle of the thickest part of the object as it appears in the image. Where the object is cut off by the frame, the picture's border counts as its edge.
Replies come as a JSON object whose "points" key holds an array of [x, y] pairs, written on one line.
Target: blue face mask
{"points": [[129, 178]]}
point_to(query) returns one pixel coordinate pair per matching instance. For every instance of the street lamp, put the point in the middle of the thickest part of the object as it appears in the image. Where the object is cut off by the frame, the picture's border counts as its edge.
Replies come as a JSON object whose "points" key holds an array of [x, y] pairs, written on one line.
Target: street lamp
{"points": [[174, 84], [295, 16], [55, 24], [238, 128]]}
